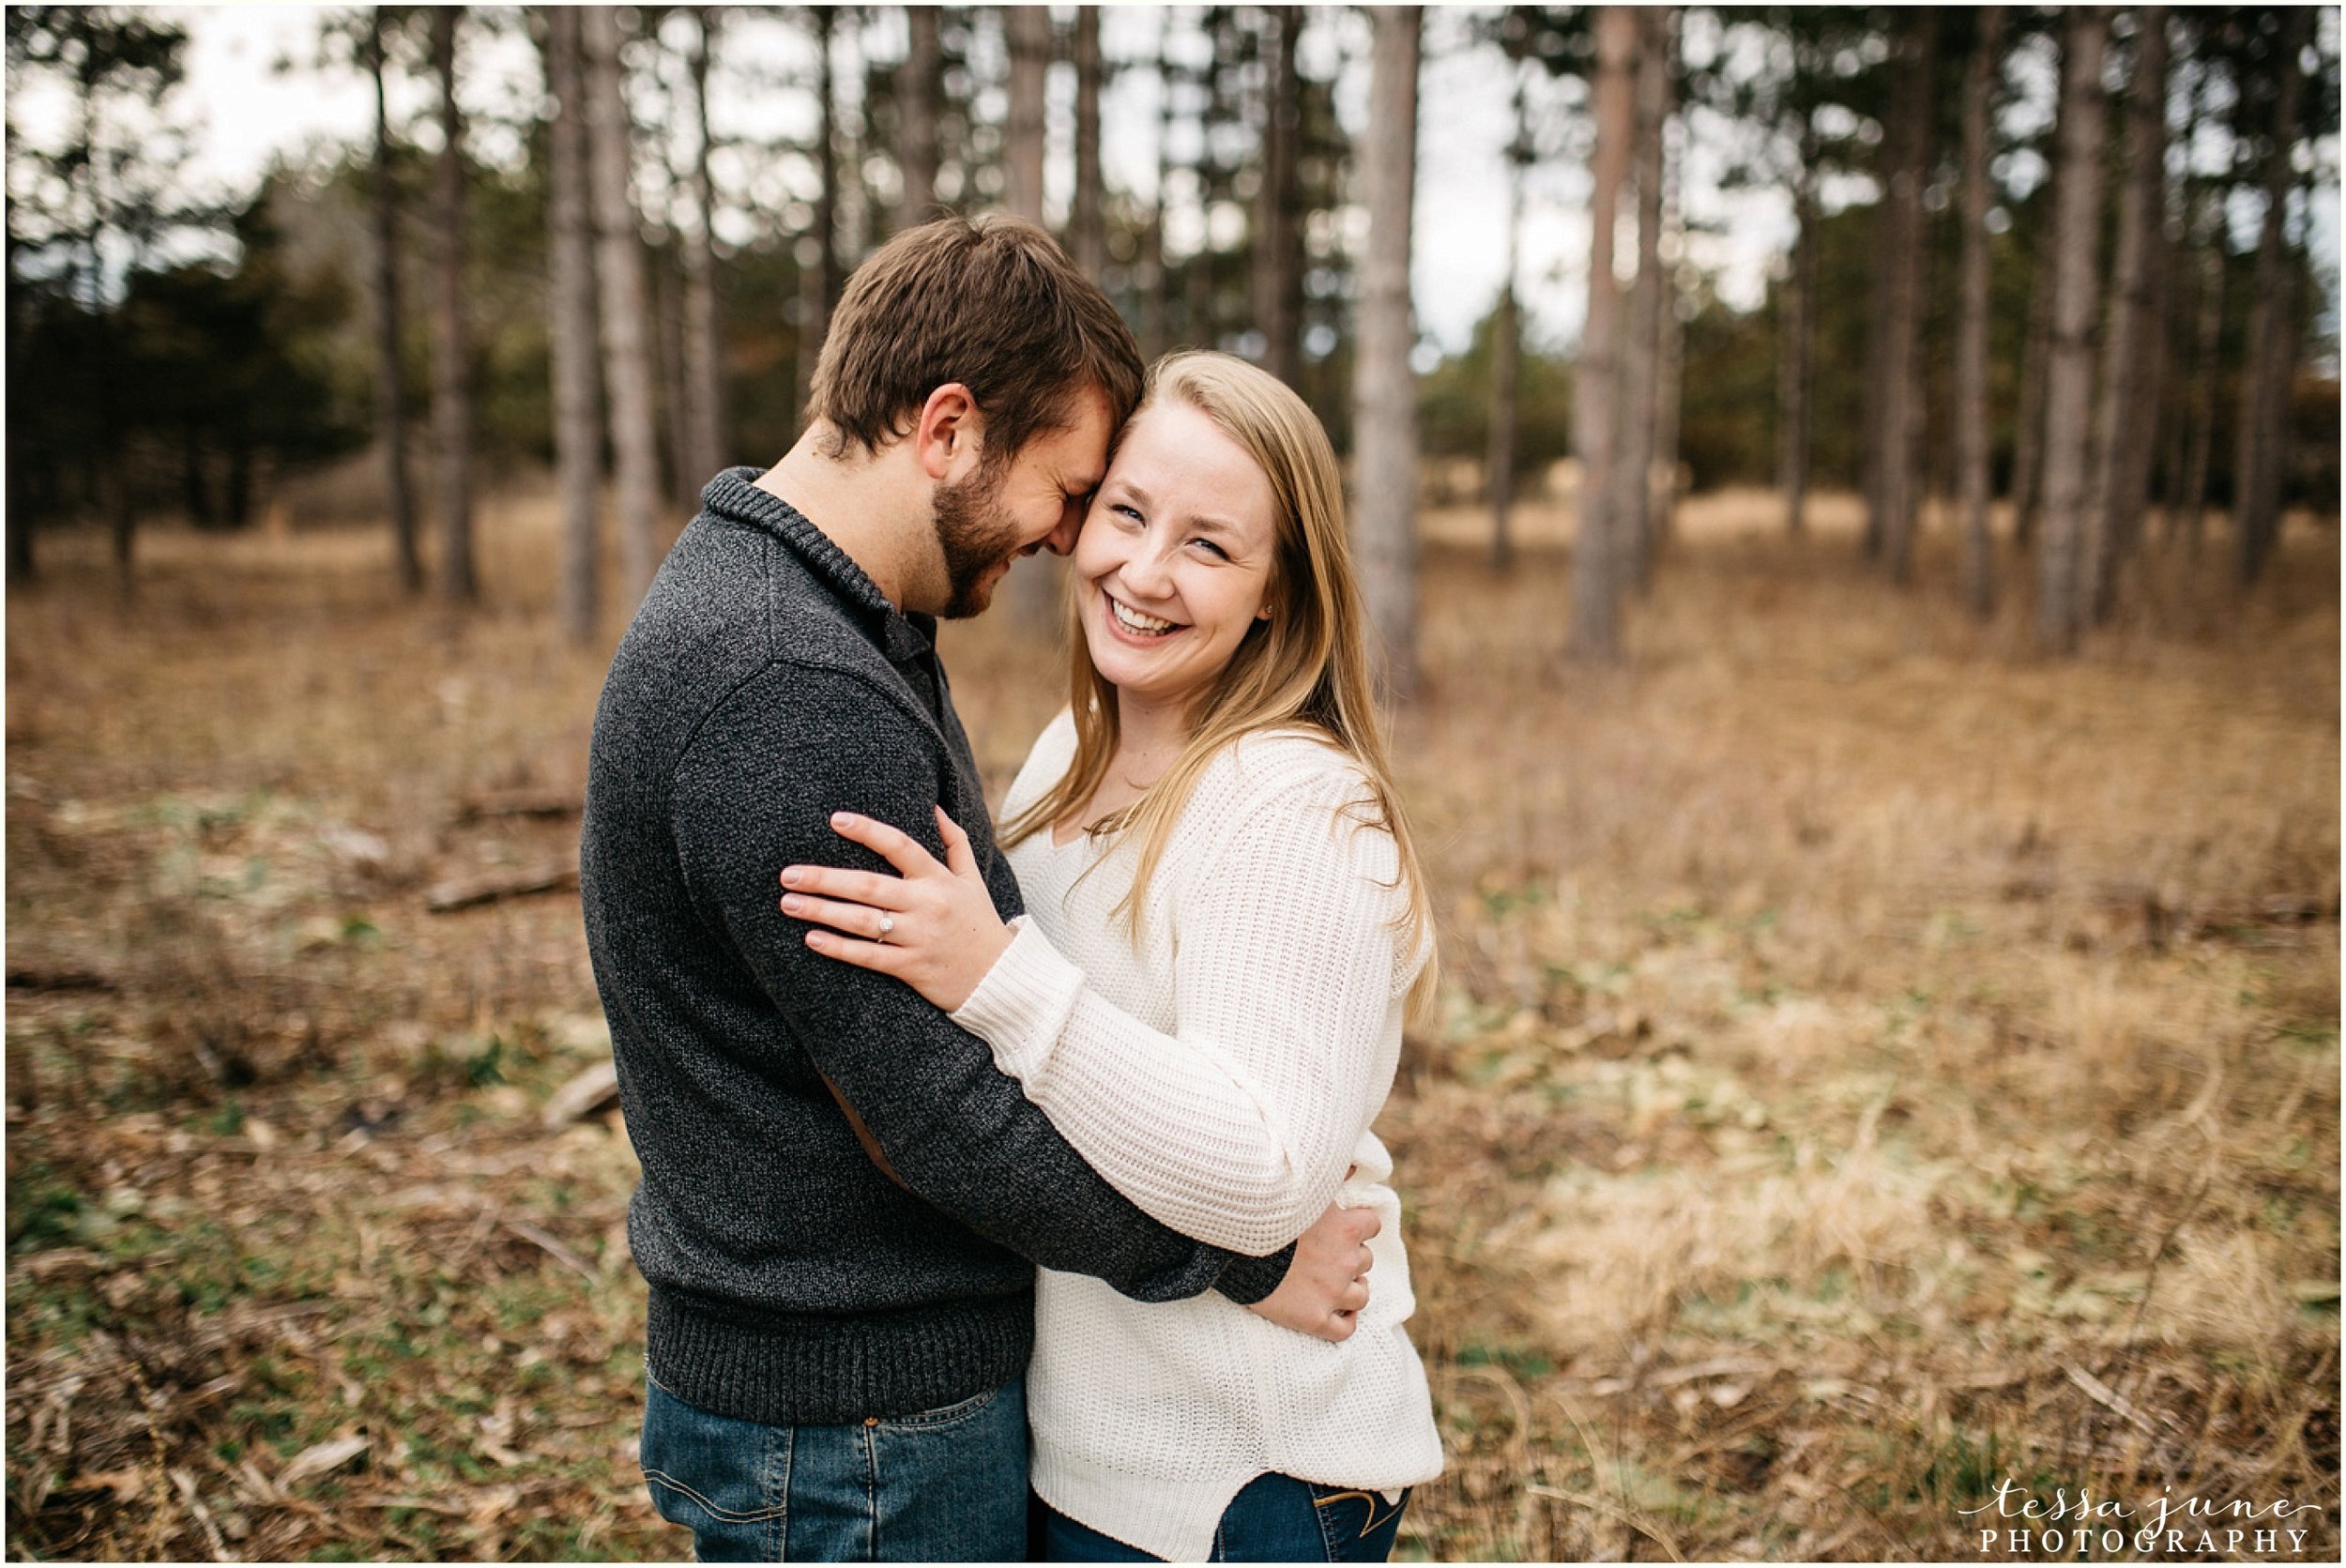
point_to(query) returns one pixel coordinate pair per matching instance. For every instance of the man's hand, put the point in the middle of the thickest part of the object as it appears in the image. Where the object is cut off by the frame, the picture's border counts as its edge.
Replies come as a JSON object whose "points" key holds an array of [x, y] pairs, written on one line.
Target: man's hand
{"points": [[1327, 1285]]}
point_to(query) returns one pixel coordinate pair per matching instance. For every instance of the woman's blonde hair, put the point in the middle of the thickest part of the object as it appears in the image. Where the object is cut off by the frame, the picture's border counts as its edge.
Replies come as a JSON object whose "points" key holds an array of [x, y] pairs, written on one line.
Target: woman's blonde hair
{"points": [[1306, 667]]}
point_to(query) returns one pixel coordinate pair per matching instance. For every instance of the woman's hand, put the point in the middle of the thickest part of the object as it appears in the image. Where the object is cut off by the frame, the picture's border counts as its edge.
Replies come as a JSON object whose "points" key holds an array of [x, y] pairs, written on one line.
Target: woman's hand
{"points": [[934, 927], [1327, 1284]]}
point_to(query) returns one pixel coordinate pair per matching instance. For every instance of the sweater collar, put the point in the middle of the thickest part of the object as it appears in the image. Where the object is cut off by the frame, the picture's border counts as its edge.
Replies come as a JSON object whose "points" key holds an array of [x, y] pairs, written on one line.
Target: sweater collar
{"points": [[734, 495]]}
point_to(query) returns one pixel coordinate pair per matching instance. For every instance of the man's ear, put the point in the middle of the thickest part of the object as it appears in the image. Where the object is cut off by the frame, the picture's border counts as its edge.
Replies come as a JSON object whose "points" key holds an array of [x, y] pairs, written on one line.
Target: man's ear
{"points": [[949, 438]]}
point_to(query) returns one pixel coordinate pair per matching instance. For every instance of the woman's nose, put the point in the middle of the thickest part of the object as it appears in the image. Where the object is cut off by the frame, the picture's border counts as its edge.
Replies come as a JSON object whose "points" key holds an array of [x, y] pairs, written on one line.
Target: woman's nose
{"points": [[1145, 572]]}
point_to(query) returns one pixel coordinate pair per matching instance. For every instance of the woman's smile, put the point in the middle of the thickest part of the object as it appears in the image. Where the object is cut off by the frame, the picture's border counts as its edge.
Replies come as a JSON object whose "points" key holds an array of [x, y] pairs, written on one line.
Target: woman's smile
{"points": [[1138, 624]]}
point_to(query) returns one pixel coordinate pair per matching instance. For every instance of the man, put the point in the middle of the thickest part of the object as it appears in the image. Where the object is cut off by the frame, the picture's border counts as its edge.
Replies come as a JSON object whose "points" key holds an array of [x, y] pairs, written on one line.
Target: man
{"points": [[843, 1199]]}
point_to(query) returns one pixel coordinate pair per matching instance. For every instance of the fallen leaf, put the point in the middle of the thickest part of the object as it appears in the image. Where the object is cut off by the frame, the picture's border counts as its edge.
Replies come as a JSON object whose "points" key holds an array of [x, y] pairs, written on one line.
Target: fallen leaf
{"points": [[323, 1459], [125, 1485]]}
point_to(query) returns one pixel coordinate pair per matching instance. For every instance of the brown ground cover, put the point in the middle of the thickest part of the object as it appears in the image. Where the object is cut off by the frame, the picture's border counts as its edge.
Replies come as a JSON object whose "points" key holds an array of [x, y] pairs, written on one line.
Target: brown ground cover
{"points": [[1874, 1063]]}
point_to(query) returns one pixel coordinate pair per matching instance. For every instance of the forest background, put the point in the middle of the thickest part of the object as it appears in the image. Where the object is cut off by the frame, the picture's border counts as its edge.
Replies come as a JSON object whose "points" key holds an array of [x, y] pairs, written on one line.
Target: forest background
{"points": [[1874, 710]]}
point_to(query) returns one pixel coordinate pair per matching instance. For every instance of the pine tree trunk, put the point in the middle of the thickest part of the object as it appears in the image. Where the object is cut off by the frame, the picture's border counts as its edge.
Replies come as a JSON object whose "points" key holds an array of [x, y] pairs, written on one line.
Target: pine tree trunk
{"points": [[1506, 345], [2182, 296], [627, 367], [451, 392], [1384, 386], [390, 382], [1026, 29], [1670, 386], [1796, 355], [2120, 458], [819, 280], [1971, 398], [2265, 402], [1596, 567], [1632, 509], [1156, 323], [671, 382], [1278, 251], [918, 84], [1087, 224], [704, 322], [830, 277], [1500, 467], [1032, 596], [1898, 493], [17, 522], [2069, 374], [570, 330], [2189, 508], [1882, 310], [2028, 426]]}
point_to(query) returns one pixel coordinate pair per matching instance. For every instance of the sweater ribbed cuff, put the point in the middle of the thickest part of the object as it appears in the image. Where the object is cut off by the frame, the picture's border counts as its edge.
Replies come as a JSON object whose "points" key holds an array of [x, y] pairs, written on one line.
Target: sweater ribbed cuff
{"points": [[1248, 1280], [1021, 1005]]}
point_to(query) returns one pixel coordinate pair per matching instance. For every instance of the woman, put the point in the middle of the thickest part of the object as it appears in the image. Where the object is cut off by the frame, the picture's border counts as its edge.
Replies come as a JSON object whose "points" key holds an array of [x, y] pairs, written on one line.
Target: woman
{"points": [[1227, 924]]}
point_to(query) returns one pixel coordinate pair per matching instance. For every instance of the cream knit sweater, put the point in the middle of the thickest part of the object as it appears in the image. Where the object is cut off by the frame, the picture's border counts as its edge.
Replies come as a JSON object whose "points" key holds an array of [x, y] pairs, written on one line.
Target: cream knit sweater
{"points": [[1221, 1076]]}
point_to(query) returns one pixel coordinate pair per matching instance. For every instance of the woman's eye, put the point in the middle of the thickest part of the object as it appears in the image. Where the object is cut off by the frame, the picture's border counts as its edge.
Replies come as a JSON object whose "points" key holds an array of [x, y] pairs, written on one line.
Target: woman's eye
{"points": [[1124, 508], [1210, 544]]}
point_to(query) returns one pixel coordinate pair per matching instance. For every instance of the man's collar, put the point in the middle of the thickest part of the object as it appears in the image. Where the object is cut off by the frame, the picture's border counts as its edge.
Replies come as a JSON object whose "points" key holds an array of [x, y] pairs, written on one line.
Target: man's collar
{"points": [[735, 494]]}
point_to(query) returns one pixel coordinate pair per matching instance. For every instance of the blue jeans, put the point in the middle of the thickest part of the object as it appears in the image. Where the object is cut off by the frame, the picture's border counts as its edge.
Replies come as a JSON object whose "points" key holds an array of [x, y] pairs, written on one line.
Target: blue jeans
{"points": [[1274, 1519], [945, 1486]]}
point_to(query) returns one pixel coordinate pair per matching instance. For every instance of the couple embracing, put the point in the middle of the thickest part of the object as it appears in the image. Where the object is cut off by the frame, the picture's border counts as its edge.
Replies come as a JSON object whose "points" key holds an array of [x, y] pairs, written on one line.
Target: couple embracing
{"points": [[981, 1158]]}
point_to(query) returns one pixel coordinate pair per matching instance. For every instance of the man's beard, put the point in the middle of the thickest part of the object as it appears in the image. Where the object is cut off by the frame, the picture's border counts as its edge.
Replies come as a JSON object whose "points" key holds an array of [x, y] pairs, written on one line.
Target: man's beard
{"points": [[975, 535]]}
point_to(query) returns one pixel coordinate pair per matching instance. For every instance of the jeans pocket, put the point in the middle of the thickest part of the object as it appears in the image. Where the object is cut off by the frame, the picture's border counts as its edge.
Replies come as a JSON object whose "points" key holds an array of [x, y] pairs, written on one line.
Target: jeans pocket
{"points": [[944, 1416], [681, 1505], [1356, 1525], [709, 1471]]}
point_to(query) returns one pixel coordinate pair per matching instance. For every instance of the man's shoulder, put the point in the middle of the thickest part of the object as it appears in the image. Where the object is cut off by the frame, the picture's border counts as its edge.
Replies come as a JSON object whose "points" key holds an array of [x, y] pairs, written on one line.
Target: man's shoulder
{"points": [[735, 648]]}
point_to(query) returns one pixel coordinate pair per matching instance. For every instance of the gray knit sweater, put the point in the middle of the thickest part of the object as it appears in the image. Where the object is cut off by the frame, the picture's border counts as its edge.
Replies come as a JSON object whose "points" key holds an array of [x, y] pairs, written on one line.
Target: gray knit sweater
{"points": [[765, 684]]}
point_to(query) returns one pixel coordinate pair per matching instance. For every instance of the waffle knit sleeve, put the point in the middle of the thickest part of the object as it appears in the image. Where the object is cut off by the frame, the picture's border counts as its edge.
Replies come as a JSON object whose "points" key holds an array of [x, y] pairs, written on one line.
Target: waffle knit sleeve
{"points": [[1237, 1128]]}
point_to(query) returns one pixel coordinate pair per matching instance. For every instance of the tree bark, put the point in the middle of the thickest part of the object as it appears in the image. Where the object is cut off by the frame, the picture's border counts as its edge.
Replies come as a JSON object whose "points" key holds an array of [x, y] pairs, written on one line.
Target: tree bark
{"points": [[2069, 372], [2264, 401], [671, 400], [1278, 252], [572, 329], [1633, 479], [17, 523], [819, 276], [1087, 224], [1384, 385], [2028, 439], [1505, 376], [1971, 398], [2122, 457], [830, 277], [1031, 597], [1026, 29], [1507, 343], [1796, 363], [1156, 321], [627, 367], [1897, 493], [704, 318], [1670, 378], [919, 88], [1596, 568], [390, 382], [2190, 507], [452, 390]]}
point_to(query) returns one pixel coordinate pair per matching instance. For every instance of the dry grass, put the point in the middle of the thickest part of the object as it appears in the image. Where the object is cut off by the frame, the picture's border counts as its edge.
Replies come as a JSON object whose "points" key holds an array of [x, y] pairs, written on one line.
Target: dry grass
{"points": [[1875, 1062]]}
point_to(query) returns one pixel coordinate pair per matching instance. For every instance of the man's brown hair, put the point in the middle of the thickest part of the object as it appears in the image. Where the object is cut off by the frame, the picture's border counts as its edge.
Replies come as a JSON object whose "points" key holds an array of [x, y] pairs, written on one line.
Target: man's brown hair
{"points": [[992, 303]]}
